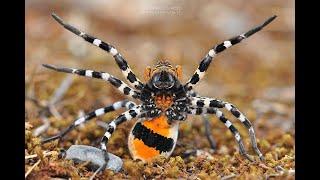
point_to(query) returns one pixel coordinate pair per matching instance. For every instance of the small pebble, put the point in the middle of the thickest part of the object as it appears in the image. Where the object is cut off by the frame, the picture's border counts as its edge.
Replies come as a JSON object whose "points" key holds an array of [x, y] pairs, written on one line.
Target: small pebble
{"points": [[83, 153]]}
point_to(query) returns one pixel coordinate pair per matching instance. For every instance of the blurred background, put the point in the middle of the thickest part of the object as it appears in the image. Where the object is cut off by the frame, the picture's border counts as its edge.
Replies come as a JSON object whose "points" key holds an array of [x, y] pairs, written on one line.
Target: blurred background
{"points": [[180, 31], [257, 75]]}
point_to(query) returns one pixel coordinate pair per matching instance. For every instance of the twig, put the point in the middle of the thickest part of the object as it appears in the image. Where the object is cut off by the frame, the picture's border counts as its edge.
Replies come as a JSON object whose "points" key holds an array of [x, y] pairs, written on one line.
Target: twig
{"points": [[264, 166], [64, 86], [29, 171], [280, 168], [96, 172], [290, 172], [58, 94], [36, 101], [39, 130], [28, 82], [45, 153], [54, 112], [228, 177], [281, 171], [48, 106]]}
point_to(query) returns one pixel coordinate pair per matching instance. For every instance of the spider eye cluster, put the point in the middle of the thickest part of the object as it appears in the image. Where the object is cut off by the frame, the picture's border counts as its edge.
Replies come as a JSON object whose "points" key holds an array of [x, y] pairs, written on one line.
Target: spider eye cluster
{"points": [[163, 76], [163, 80]]}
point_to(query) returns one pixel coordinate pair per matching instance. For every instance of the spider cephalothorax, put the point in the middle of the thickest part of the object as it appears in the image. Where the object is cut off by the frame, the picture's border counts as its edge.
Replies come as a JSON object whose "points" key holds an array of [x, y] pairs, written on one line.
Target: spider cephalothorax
{"points": [[164, 90], [165, 101], [163, 77]]}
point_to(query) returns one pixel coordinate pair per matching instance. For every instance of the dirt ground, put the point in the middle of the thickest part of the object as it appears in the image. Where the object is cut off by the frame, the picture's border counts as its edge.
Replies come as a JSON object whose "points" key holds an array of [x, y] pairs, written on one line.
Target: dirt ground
{"points": [[257, 76]]}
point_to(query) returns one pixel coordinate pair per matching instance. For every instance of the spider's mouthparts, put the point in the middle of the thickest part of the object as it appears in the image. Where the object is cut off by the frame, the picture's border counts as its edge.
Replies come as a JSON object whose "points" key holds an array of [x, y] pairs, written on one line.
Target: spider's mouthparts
{"points": [[163, 85]]}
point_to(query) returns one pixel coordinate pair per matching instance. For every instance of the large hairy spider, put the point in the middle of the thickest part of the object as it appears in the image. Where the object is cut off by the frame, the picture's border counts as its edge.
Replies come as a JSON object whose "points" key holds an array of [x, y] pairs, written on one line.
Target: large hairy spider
{"points": [[165, 101]]}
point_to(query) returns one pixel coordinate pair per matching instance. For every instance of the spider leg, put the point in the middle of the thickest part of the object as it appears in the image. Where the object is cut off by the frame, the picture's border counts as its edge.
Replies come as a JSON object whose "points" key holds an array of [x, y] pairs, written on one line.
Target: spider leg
{"points": [[215, 103], [192, 93], [122, 63], [208, 133], [120, 85], [204, 64], [222, 118], [98, 112], [206, 122], [126, 116]]}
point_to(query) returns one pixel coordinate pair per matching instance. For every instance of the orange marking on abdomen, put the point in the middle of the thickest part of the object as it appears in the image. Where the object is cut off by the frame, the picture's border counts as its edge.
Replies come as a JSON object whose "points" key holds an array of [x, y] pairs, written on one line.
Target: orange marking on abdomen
{"points": [[143, 151], [158, 125]]}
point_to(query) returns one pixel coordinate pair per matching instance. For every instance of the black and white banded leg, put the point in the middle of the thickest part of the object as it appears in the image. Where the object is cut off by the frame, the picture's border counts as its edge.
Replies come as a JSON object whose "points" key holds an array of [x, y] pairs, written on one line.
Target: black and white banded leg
{"points": [[215, 103], [126, 116], [98, 112], [122, 63], [120, 85], [228, 124], [192, 93], [204, 64], [206, 123]]}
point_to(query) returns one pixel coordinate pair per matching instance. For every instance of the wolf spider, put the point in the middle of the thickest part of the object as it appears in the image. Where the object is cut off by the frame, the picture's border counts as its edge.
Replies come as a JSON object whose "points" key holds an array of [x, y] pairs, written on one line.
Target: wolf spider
{"points": [[165, 100]]}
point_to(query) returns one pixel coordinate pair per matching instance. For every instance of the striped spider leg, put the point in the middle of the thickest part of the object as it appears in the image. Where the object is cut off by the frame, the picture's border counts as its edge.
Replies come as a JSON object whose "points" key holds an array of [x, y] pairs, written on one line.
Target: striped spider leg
{"points": [[206, 122], [204, 102], [120, 85], [135, 111], [228, 124], [204, 64], [122, 63], [98, 112]]}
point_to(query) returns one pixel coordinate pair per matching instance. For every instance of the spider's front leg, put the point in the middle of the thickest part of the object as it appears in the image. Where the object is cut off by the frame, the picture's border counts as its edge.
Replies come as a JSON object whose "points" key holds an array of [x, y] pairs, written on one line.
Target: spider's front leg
{"points": [[203, 102], [120, 85], [126, 116], [204, 64], [98, 112], [122, 63]]}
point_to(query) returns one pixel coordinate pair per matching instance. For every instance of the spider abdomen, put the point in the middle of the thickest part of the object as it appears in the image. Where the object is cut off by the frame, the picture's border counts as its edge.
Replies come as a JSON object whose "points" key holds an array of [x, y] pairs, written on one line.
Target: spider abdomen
{"points": [[151, 138]]}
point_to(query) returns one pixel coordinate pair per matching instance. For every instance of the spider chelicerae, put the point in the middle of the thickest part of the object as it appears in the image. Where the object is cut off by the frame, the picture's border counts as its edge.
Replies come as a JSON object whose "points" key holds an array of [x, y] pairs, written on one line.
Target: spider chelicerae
{"points": [[165, 101]]}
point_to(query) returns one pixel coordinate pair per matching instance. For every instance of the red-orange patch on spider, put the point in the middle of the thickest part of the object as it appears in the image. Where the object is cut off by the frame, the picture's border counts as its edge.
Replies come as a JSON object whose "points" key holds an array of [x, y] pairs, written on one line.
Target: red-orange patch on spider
{"points": [[158, 125], [143, 151]]}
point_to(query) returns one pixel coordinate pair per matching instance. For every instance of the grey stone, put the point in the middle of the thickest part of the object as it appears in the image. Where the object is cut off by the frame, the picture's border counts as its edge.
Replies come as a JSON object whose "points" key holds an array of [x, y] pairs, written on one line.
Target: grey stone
{"points": [[83, 153]]}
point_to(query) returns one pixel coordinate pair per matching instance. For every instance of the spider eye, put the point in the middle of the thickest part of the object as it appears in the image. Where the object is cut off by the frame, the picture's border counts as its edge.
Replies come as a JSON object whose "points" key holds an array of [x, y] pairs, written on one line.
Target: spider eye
{"points": [[163, 80]]}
